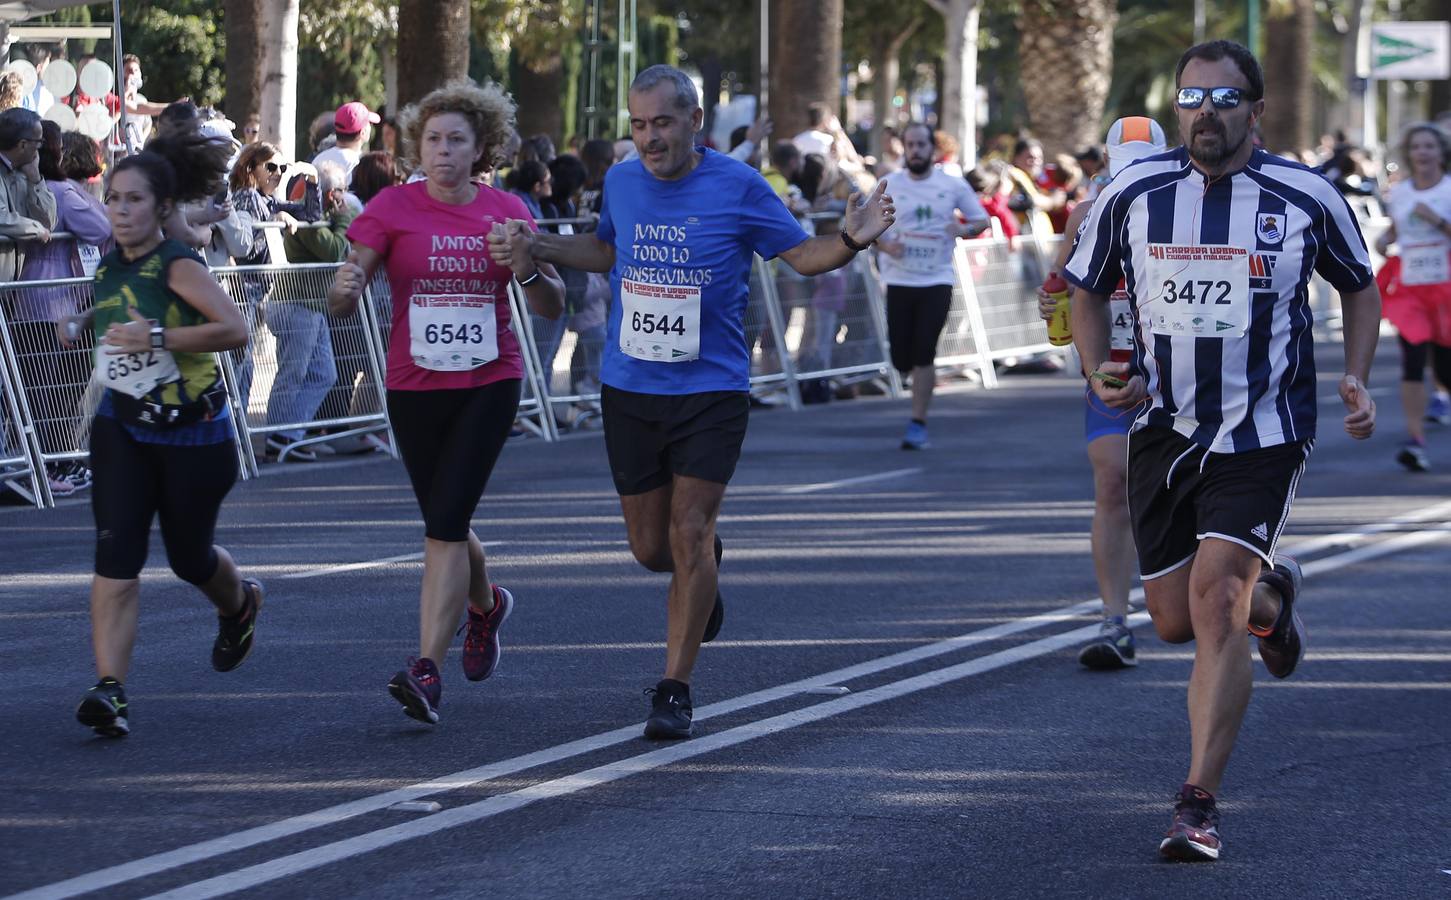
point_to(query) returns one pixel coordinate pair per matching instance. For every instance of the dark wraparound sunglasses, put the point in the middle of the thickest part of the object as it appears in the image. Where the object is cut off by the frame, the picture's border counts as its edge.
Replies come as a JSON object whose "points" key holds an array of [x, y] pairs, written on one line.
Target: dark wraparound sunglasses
{"points": [[1221, 97], [272, 167]]}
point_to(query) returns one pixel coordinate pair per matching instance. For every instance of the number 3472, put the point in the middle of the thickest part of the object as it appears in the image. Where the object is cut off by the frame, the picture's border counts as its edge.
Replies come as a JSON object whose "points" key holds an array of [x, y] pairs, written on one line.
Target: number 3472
{"points": [[1205, 292]]}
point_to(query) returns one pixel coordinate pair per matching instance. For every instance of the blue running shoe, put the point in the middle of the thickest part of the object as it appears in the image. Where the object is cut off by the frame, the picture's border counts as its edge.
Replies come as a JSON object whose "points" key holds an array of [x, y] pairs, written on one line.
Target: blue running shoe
{"points": [[1438, 411], [916, 437]]}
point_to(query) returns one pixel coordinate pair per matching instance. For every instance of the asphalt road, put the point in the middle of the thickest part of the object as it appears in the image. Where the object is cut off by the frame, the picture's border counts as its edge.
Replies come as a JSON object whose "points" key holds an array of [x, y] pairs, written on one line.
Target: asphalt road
{"points": [[892, 709]]}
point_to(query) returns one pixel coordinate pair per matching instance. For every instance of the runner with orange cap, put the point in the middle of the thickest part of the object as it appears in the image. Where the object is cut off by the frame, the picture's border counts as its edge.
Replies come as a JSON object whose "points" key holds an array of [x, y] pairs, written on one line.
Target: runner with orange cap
{"points": [[1106, 430]]}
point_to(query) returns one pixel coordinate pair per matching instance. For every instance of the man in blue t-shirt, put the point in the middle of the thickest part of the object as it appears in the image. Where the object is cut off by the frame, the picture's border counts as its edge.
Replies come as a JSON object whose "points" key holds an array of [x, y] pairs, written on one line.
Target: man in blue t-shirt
{"points": [[678, 229]]}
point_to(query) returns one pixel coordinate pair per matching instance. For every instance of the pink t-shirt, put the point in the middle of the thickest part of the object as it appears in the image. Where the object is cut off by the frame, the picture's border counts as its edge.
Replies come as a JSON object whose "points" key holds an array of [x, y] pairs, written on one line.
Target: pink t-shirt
{"points": [[434, 251]]}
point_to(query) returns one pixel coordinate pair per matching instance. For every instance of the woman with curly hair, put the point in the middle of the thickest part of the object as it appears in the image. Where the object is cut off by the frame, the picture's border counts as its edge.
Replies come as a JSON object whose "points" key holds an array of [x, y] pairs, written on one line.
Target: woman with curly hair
{"points": [[454, 365]]}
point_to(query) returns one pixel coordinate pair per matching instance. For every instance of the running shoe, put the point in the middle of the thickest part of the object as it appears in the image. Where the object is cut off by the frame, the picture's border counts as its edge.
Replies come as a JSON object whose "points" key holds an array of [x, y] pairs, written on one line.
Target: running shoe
{"points": [[717, 613], [77, 474], [234, 633], [670, 711], [1112, 649], [1194, 834], [420, 689], [1283, 647], [916, 437], [1438, 411], [104, 709], [59, 487], [1413, 457], [481, 636], [276, 444]]}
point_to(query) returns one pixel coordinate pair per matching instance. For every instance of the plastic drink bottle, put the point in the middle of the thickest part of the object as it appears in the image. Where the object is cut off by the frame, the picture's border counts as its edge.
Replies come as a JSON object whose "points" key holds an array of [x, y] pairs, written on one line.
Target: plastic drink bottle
{"points": [[1060, 326]]}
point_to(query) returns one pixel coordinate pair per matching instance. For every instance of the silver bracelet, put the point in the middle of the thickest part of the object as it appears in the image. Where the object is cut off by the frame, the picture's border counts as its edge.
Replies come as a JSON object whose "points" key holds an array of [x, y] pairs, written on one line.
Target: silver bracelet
{"points": [[530, 280]]}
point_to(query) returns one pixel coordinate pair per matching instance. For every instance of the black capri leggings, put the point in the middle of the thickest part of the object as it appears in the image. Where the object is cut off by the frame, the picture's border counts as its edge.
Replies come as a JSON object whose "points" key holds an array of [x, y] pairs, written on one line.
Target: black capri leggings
{"points": [[915, 316], [450, 440], [1413, 361], [135, 481]]}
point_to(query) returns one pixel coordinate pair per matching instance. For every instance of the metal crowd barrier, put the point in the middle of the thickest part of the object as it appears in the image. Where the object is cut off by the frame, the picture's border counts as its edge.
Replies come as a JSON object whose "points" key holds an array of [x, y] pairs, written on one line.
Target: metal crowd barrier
{"points": [[307, 372]]}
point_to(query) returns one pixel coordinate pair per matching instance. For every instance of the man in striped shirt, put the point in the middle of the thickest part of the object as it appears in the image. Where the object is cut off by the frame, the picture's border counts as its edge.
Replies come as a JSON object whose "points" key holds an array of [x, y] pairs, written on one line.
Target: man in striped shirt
{"points": [[1216, 242]]}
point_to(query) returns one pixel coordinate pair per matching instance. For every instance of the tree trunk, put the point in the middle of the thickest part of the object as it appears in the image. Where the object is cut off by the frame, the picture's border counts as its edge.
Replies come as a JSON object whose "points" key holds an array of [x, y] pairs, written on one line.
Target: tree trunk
{"points": [[1067, 51], [538, 95], [433, 45], [886, 73], [243, 21], [279, 73], [957, 101], [805, 60], [1288, 125]]}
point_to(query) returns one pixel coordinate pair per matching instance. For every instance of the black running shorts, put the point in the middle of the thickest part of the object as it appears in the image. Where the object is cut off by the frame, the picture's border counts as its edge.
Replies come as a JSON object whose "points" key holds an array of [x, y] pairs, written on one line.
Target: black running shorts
{"points": [[450, 439], [915, 317], [1180, 494], [651, 438]]}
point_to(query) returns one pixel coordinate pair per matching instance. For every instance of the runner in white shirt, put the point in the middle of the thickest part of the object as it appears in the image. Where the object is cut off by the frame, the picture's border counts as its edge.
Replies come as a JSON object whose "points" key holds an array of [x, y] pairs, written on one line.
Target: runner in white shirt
{"points": [[1416, 284], [916, 265]]}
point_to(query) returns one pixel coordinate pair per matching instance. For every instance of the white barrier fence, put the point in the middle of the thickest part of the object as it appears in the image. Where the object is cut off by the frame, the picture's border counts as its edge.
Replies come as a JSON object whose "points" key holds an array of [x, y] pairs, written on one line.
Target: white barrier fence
{"points": [[310, 379]]}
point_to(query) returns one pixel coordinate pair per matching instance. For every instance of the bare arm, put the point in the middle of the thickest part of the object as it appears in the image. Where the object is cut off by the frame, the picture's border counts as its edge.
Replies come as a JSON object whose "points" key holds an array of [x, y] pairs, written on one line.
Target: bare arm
{"points": [[1360, 312], [223, 330], [351, 279], [1090, 314], [584, 252], [864, 222]]}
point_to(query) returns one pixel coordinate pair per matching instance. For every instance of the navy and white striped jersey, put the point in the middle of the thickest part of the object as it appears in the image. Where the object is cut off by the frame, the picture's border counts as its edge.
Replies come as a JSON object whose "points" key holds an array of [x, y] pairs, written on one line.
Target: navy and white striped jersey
{"points": [[1219, 275]]}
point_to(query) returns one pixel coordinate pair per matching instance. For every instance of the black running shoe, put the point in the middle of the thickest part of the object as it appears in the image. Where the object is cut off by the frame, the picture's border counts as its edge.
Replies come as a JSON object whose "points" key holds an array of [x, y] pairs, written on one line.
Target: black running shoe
{"points": [[1114, 648], [670, 711], [717, 613], [234, 633], [420, 689], [104, 709], [1193, 836], [1283, 647]]}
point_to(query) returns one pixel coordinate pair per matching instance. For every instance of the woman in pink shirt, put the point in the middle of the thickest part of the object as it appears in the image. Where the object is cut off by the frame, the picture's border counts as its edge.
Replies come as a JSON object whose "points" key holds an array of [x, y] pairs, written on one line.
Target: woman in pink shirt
{"points": [[454, 365]]}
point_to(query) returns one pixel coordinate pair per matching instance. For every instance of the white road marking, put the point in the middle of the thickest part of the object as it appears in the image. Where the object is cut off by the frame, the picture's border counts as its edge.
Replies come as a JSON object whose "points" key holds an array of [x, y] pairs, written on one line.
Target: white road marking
{"points": [[315, 857], [186, 855], [369, 564], [845, 482]]}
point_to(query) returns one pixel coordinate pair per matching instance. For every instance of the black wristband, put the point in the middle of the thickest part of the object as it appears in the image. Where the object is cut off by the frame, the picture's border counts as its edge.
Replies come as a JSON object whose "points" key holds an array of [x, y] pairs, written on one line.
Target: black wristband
{"points": [[852, 245], [530, 280]]}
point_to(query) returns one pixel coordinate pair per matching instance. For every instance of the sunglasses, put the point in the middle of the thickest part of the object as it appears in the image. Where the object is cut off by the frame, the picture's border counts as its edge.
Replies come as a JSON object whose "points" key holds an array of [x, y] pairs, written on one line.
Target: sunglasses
{"points": [[1221, 97], [272, 167]]}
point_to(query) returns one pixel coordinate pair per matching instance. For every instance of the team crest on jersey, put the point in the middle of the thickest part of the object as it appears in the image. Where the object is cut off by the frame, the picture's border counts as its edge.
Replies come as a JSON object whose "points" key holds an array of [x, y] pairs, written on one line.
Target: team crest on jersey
{"points": [[1270, 228], [924, 213]]}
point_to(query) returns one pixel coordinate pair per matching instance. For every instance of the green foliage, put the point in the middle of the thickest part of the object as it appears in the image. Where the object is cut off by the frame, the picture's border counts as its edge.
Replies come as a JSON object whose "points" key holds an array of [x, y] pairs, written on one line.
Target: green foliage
{"points": [[181, 45]]}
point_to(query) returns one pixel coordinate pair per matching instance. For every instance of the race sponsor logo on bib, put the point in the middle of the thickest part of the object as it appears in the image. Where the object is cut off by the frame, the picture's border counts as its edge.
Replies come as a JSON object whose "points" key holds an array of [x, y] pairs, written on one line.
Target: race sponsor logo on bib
{"points": [[659, 322], [452, 332], [1425, 264], [1197, 290], [1270, 228], [135, 374]]}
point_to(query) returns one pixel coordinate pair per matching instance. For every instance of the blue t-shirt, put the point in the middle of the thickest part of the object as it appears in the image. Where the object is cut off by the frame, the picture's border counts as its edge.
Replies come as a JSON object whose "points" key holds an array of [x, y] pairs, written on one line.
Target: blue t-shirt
{"points": [[681, 278]]}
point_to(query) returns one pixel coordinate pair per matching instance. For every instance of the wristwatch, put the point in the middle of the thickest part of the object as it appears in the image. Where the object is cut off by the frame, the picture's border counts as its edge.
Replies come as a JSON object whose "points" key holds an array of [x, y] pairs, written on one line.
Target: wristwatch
{"points": [[158, 337], [852, 245]]}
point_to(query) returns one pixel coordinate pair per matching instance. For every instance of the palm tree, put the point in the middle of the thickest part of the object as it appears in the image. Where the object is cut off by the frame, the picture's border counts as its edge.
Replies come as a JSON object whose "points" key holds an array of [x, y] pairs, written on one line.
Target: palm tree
{"points": [[1067, 52], [805, 60], [1288, 125], [433, 45]]}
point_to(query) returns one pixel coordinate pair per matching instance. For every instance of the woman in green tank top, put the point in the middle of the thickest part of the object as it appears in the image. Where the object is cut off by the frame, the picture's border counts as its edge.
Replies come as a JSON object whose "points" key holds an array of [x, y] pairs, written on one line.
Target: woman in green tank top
{"points": [[162, 440]]}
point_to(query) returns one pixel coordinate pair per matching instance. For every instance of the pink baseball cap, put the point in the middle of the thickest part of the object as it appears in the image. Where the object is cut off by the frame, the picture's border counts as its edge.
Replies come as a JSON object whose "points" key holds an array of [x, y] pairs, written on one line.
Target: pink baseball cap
{"points": [[353, 116]]}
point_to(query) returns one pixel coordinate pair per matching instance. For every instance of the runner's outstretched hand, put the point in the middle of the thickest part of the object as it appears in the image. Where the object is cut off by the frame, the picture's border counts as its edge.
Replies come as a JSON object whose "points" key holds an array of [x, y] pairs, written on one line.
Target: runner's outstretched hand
{"points": [[509, 246], [868, 218], [1360, 409]]}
